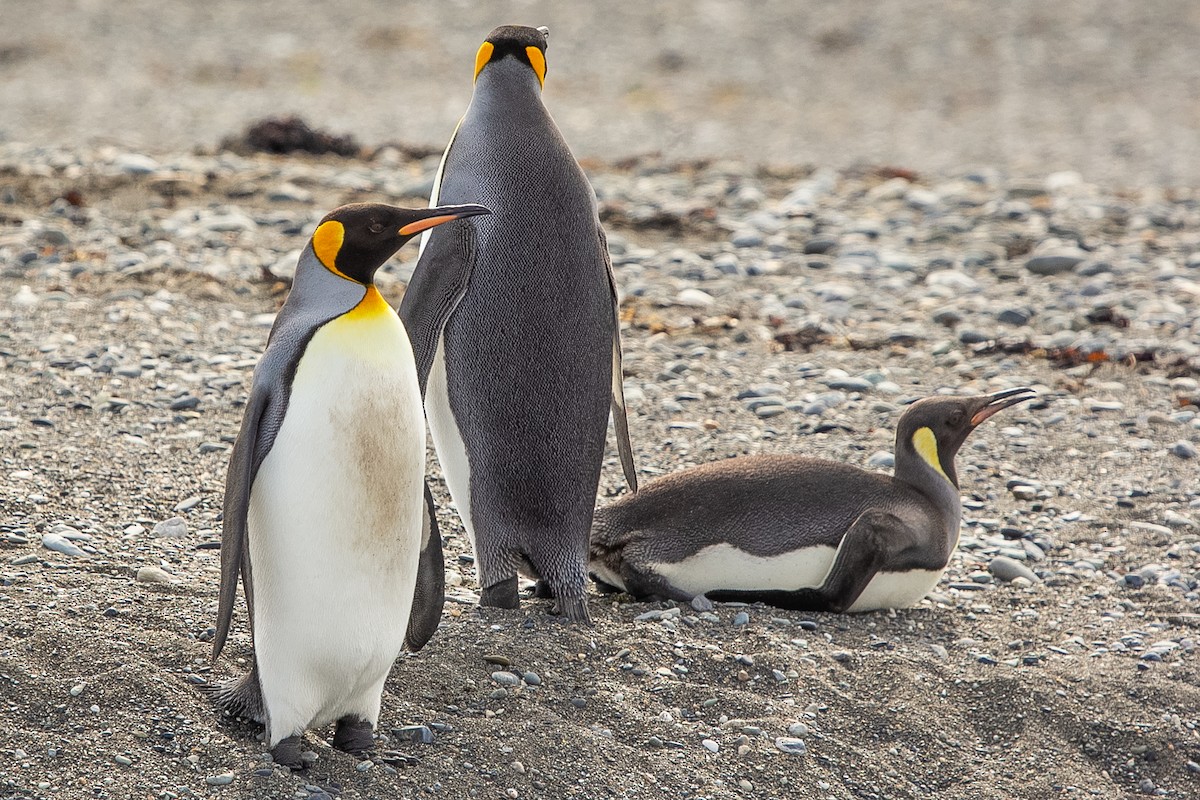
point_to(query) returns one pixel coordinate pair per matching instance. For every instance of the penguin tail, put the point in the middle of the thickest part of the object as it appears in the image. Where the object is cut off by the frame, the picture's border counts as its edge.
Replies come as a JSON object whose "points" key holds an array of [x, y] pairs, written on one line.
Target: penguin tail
{"points": [[239, 697]]}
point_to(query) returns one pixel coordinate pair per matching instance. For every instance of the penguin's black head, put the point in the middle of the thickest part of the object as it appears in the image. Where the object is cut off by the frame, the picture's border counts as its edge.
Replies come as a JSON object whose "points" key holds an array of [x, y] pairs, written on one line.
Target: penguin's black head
{"points": [[354, 240], [527, 45], [933, 429]]}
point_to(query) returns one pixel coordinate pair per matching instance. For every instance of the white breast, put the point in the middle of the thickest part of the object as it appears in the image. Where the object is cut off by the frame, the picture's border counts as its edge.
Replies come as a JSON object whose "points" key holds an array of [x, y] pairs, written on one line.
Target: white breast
{"points": [[724, 566], [447, 440], [335, 525]]}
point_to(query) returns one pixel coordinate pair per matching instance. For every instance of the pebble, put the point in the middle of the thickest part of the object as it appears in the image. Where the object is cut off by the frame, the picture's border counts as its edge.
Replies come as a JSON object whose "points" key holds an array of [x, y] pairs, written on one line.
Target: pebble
{"points": [[173, 528], [1052, 265], [419, 734], [506, 678], [710, 745], [694, 298], [741, 618], [224, 779], [1183, 449], [61, 544], [153, 575], [1008, 569], [791, 745]]}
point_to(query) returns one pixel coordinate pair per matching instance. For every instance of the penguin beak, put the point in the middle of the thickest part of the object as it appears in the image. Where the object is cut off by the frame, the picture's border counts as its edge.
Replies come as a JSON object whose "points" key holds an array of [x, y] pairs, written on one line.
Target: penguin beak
{"points": [[432, 217], [998, 401]]}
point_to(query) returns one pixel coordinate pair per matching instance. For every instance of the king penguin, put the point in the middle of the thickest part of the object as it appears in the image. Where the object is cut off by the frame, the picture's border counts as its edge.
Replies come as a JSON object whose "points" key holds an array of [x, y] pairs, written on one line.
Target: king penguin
{"points": [[796, 532], [326, 513], [514, 325]]}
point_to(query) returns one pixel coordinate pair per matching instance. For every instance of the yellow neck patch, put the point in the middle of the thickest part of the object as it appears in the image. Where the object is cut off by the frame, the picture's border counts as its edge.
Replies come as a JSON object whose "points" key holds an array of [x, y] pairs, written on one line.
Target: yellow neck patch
{"points": [[925, 444], [538, 61], [372, 305], [327, 242], [483, 57]]}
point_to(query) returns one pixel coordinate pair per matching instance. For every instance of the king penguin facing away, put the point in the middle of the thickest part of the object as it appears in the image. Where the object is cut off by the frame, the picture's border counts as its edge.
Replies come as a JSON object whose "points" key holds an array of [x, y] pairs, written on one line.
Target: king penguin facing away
{"points": [[514, 325], [796, 532], [326, 515]]}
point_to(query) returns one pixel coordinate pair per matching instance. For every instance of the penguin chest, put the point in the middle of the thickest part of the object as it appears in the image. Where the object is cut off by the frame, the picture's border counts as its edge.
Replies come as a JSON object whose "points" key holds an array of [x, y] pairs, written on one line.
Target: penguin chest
{"points": [[335, 515]]}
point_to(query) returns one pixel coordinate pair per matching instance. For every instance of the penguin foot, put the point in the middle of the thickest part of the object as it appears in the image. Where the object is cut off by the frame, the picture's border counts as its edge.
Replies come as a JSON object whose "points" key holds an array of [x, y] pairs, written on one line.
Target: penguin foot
{"points": [[287, 753], [574, 609], [354, 736], [702, 603], [501, 595]]}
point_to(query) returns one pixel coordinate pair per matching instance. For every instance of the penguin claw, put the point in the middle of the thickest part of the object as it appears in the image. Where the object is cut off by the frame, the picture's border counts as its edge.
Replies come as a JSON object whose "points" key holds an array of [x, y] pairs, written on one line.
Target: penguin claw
{"points": [[287, 753], [354, 736], [702, 603], [573, 609]]}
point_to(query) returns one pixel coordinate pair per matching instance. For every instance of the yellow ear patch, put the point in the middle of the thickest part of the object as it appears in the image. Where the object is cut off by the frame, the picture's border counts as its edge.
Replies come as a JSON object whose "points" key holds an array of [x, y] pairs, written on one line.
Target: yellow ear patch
{"points": [[925, 443], [483, 57], [538, 61], [327, 242]]}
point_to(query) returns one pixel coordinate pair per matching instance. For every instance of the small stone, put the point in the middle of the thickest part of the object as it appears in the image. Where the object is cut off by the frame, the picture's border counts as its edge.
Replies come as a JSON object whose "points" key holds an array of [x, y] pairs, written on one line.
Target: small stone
{"points": [[364, 766], [694, 298], [798, 730], [188, 504], [173, 528], [77, 689], [152, 575], [506, 678], [532, 678], [135, 164], [185, 403], [741, 618], [224, 779], [1183, 449], [881, 459], [124, 761], [791, 745], [1023, 492], [498, 660], [1006, 569], [840, 656], [419, 734], [61, 544], [1052, 265], [710, 745]]}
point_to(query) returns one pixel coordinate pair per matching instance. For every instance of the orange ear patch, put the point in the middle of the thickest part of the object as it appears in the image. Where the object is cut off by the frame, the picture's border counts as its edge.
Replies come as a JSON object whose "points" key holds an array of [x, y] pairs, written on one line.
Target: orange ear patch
{"points": [[483, 56], [327, 242], [538, 61]]}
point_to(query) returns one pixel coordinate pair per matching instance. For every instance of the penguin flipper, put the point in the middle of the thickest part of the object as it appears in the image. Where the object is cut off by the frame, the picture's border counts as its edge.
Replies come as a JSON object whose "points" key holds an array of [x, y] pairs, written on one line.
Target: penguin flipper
{"points": [[235, 552], [438, 284], [429, 594], [876, 539], [620, 419]]}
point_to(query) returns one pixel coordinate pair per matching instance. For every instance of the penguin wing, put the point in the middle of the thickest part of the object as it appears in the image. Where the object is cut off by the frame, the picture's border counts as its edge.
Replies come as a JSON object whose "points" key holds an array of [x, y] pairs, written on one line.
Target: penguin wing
{"points": [[430, 592], [235, 554], [620, 420], [438, 284]]}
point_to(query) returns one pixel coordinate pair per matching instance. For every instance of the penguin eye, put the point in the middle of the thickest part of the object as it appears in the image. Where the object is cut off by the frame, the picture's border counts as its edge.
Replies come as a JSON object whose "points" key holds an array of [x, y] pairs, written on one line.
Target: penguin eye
{"points": [[375, 227], [956, 419]]}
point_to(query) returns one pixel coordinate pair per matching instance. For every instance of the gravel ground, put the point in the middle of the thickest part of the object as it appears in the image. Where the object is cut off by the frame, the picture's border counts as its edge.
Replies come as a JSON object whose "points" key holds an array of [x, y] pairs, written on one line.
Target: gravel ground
{"points": [[782, 310], [1109, 88]]}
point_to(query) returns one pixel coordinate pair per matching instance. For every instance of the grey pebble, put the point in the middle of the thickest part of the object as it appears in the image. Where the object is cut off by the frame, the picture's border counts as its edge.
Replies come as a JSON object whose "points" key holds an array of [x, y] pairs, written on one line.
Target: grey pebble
{"points": [[881, 459], [1183, 449], [419, 734], [1052, 265], [224, 779], [797, 730], [152, 575], [60, 544], [173, 528], [532, 678], [1007, 569], [506, 678], [791, 745], [741, 618]]}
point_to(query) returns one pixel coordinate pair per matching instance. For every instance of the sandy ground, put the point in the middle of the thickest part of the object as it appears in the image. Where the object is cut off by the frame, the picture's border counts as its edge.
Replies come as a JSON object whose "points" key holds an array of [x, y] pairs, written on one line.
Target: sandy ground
{"points": [[1109, 89]]}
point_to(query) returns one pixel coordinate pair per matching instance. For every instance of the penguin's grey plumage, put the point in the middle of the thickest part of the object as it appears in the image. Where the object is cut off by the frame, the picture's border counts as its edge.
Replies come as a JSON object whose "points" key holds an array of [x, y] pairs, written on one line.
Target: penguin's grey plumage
{"points": [[515, 331], [327, 517], [799, 532]]}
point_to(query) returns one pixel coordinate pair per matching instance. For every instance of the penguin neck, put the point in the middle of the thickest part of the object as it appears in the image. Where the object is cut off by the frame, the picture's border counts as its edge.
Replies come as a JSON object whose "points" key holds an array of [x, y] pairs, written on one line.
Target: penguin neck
{"points": [[509, 89], [931, 477]]}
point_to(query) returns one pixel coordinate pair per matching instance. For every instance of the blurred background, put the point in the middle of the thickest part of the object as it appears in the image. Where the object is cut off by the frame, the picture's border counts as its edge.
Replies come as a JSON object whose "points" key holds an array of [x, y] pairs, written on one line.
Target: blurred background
{"points": [[1110, 88]]}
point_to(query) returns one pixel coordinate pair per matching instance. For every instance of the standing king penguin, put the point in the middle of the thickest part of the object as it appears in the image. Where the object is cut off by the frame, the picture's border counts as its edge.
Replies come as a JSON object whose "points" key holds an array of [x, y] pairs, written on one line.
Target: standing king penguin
{"points": [[797, 532], [513, 319], [326, 514]]}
